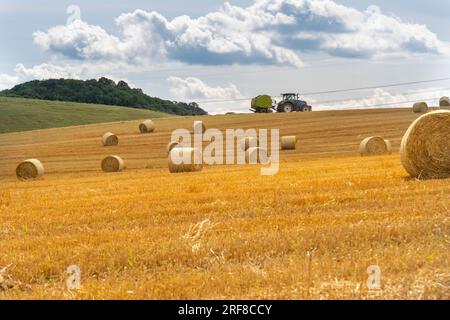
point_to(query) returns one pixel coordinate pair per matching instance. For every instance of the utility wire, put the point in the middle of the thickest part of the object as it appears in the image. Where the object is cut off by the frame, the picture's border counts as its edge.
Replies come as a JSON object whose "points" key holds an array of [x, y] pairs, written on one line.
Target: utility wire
{"points": [[386, 104], [374, 105], [401, 93], [337, 91], [199, 102], [375, 87], [371, 106]]}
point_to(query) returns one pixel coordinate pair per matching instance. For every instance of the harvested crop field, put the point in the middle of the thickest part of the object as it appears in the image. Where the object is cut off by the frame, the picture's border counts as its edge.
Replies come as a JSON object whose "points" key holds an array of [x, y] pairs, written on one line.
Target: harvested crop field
{"points": [[309, 232]]}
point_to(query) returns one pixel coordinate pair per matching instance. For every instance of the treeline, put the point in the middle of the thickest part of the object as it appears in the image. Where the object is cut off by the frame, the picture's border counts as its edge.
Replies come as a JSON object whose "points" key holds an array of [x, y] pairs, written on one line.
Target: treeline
{"points": [[102, 91]]}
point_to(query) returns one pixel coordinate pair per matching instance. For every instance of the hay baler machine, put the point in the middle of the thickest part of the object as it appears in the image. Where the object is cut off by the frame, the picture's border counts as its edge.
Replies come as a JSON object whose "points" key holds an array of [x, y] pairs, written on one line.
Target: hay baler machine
{"points": [[290, 103]]}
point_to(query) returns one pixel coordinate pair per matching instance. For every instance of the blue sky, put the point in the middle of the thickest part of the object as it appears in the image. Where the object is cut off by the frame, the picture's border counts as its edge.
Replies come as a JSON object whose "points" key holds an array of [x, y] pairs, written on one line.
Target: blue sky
{"points": [[209, 50]]}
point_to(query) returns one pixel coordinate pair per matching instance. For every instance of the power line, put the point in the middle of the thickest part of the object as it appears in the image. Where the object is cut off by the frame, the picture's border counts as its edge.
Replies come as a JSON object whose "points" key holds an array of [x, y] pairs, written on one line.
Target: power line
{"points": [[375, 105], [199, 102], [385, 104], [336, 91], [375, 87], [388, 104], [401, 93]]}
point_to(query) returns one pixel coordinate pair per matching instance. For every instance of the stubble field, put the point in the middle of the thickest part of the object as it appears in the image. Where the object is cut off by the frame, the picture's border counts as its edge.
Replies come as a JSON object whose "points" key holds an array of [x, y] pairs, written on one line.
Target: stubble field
{"points": [[309, 232]]}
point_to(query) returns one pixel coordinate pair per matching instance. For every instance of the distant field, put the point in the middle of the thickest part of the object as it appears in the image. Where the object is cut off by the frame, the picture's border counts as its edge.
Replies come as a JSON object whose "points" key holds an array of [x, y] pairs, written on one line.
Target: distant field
{"points": [[309, 232], [18, 114]]}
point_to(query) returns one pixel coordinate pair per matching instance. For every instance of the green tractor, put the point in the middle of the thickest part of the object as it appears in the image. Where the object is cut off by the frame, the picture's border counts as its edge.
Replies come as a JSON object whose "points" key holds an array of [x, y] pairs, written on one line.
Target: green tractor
{"points": [[289, 103]]}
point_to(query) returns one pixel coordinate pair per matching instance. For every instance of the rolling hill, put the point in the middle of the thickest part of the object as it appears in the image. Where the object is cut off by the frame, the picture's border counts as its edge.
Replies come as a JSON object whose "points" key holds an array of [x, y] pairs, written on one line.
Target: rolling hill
{"points": [[18, 114], [101, 91]]}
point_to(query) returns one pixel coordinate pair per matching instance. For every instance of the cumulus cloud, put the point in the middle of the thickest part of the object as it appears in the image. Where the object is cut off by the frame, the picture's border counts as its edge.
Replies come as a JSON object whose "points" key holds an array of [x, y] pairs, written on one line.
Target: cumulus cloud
{"points": [[197, 89], [267, 32], [79, 40], [7, 81], [46, 71], [41, 71], [221, 99]]}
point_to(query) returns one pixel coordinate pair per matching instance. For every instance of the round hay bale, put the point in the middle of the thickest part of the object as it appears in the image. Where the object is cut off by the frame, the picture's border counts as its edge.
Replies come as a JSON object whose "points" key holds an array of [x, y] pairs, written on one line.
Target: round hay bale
{"points": [[110, 139], [256, 155], [30, 169], [147, 126], [171, 145], [444, 102], [199, 126], [248, 142], [425, 148], [288, 142], [388, 146], [420, 107], [113, 164], [192, 155], [373, 146]]}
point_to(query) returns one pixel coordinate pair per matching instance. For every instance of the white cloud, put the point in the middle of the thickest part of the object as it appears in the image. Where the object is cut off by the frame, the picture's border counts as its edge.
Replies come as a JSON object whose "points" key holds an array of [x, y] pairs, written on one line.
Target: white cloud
{"points": [[45, 71], [223, 99], [21, 73], [381, 35], [79, 40], [194, 88], [7, 81], [267, 32]]}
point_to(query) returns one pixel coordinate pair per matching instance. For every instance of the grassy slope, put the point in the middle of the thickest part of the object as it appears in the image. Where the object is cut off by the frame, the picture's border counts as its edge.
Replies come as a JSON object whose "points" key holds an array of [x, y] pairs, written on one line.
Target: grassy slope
{"points": [[309, 232], [18, 114]]}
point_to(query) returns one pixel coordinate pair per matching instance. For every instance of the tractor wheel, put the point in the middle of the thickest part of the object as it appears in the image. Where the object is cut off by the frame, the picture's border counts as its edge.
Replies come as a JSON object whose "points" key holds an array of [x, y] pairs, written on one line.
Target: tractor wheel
{"points": [[305, 109], [287, 107]]}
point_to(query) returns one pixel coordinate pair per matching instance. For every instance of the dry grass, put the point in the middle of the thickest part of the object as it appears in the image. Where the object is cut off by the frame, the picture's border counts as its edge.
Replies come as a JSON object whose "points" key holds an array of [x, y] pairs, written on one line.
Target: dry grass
{"points": [[309, 232]]}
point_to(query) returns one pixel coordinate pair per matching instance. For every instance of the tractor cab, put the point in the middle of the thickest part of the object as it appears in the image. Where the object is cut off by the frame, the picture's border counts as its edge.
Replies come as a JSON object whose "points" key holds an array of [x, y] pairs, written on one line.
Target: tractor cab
{"points": [[289, 96]]}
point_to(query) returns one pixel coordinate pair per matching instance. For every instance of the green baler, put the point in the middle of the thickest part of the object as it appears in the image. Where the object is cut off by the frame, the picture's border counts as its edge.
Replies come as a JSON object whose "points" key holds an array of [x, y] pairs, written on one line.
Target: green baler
{"points": [[262, 104]]}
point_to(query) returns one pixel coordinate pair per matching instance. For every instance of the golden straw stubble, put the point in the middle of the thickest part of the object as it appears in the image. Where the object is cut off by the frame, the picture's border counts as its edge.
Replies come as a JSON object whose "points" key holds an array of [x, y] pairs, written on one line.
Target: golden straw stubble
{"points": [[185, 160], [113, 164], [373, 146], [425, 148], [30, 169], [388, 146], [110, 139]]}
